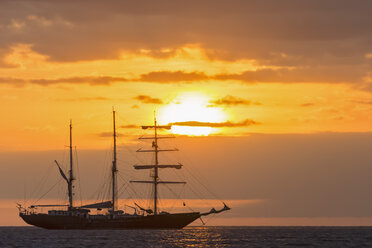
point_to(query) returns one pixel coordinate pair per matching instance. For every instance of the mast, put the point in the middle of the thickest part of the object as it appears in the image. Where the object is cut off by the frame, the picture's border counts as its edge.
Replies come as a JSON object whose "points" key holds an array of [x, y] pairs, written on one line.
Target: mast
{"points": [[71, 174], [114, 169], [155, 179]]}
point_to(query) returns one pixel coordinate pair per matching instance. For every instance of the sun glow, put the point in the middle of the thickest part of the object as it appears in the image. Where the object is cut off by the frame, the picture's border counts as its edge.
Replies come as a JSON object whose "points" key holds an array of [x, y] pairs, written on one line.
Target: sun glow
{"points": [[191, 107]]}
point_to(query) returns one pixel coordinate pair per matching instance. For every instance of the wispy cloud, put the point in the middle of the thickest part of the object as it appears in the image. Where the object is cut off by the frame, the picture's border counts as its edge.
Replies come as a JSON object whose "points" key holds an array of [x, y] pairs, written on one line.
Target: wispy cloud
{"points": [[129, 126], [231, 100], [244, 123], [308, 104], [368, 102], [97, 98], [46, 22], [172, 76], [284, 75], [87, 80], [108, 134], [13, 81], [327, 74], [104, 80], [148, 99]]}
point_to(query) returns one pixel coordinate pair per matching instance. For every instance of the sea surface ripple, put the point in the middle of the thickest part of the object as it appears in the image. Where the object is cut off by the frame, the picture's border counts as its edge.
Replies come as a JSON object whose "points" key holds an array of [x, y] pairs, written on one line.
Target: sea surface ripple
{"points": [[190, 237]]}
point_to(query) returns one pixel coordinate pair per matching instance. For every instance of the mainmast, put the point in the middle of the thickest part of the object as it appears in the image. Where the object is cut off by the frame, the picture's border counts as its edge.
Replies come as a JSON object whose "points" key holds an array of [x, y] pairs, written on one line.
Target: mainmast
{"points": [[155, 178], [156, 166], [114, 169], [71, 174]]}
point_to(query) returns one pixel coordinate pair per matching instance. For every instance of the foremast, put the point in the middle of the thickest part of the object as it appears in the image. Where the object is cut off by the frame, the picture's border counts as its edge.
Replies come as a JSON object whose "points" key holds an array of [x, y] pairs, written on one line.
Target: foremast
{"points": [[71, 174], [155, 178], [69, 180]]}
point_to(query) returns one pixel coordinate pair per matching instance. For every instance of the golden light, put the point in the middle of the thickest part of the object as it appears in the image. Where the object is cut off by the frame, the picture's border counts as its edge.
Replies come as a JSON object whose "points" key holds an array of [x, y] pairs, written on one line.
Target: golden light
{"points": [[191, 107]]}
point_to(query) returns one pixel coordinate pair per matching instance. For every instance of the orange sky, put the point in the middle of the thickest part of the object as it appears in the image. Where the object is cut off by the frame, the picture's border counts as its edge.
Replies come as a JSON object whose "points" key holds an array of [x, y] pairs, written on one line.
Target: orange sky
{"points": [[50, 93], [230, 68]]}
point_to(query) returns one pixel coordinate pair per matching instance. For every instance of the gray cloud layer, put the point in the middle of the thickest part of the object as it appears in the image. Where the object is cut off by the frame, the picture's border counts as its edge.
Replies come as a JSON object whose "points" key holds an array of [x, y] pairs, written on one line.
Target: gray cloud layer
{"points": [[262, 29], [313, 175], [327, 39]]}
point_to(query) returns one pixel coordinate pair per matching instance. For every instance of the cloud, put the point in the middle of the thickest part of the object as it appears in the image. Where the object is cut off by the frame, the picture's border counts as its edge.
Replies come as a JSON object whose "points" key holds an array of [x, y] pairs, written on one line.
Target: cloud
{"points": [[334, 74], [368, 102], [244, 123], [108, 134], [106, 80], [98, 98], [16, 25], [285, 32], [294, 75], [308, 104], [13, 81], [172, 76], [366, 87], [46, 22], [148, 99], [129, 126], [231, 100], [166, 77]]}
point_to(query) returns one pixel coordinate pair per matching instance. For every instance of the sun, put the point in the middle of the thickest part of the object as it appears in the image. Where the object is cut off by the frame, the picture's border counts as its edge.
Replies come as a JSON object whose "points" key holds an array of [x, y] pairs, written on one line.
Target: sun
{"points": [[193, 107]]}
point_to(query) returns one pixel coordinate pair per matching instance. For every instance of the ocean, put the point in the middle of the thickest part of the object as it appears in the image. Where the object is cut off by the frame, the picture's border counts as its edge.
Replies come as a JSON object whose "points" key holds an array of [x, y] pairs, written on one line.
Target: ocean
{"points": [[337, 237]]}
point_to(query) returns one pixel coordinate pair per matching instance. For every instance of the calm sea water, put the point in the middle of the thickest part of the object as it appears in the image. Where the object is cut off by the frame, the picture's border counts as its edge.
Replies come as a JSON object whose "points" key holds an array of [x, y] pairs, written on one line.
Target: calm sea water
{"points": [[337, 237]]}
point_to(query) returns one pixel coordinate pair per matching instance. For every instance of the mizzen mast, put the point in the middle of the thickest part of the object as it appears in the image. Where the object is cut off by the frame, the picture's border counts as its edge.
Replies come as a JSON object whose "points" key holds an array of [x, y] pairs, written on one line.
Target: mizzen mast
{"points": [[114, 169], [157, 166]]}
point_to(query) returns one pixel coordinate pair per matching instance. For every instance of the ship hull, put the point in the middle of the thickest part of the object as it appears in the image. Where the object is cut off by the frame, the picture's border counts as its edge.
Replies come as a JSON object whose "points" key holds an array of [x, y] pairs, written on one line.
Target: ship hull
{"points": [[173, 221]]}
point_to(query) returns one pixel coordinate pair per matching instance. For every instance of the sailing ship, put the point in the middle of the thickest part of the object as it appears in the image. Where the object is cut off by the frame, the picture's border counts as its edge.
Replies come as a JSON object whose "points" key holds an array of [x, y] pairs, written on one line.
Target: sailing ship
{"points": [[80, 217]]}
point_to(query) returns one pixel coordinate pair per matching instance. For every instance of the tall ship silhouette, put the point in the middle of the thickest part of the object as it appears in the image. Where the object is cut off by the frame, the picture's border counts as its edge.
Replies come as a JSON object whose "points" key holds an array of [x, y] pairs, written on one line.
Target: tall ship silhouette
{"points": [[80, 217]]}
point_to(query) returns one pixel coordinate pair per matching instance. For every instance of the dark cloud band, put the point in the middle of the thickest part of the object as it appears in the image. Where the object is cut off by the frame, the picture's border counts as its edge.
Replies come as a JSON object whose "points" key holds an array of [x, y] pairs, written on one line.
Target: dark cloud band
{"points": [[244, 123]]}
